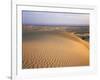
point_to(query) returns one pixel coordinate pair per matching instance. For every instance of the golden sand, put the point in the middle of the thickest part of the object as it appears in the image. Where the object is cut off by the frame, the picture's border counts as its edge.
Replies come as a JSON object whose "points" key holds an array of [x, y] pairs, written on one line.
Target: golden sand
{"points": [[60, 49]]}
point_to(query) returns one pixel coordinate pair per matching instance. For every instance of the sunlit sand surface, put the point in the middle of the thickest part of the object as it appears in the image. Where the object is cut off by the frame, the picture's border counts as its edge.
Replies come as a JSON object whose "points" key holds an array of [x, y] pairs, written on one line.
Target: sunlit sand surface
{"points": [[54, 49]]}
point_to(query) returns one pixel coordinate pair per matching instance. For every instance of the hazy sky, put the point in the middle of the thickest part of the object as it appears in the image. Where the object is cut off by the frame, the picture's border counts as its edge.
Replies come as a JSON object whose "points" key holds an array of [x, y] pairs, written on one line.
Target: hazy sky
{"points": [[51, 18]]}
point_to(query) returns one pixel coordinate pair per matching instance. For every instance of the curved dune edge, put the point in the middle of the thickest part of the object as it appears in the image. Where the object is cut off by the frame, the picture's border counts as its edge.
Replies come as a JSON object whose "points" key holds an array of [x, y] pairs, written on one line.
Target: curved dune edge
{"points": [[48, 53], [76, 38]]}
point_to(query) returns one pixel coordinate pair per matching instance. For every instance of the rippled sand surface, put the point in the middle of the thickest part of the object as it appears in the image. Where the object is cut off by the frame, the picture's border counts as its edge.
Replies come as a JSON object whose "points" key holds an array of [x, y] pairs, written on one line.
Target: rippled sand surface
{"points": [[54, 49]]}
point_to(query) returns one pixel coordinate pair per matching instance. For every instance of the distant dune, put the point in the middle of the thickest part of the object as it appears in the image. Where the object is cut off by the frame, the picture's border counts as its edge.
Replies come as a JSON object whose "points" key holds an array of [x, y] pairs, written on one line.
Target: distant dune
{"points": [[54, 49]]}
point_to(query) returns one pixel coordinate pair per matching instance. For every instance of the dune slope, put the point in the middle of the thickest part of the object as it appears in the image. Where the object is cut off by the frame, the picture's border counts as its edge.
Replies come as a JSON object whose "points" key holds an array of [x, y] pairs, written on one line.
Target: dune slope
{"points": [[54, 49]]}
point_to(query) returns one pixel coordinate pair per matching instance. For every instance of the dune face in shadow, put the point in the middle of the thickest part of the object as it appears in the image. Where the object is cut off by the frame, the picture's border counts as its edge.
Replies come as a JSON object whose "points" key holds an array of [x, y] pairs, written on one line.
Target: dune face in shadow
{"points": [[43, 49]]}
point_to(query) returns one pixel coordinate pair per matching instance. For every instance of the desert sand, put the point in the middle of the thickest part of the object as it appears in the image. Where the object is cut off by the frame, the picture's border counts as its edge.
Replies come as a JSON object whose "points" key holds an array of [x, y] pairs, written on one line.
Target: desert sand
{"points": [[54, 49]]}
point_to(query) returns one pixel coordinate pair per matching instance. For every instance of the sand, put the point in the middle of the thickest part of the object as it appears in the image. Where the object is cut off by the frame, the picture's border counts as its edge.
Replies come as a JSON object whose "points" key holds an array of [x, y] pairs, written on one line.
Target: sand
{"points": [[54, 49]]}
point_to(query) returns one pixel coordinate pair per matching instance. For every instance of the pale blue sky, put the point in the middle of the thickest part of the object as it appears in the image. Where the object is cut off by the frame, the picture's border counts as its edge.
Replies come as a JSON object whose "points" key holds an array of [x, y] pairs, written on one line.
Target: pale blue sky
{"points": [[54, 18]]}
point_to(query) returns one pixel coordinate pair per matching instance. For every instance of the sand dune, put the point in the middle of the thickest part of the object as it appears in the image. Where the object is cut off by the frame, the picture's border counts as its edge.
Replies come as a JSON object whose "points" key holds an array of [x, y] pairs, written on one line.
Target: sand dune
{"points": [[54, 49]]}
